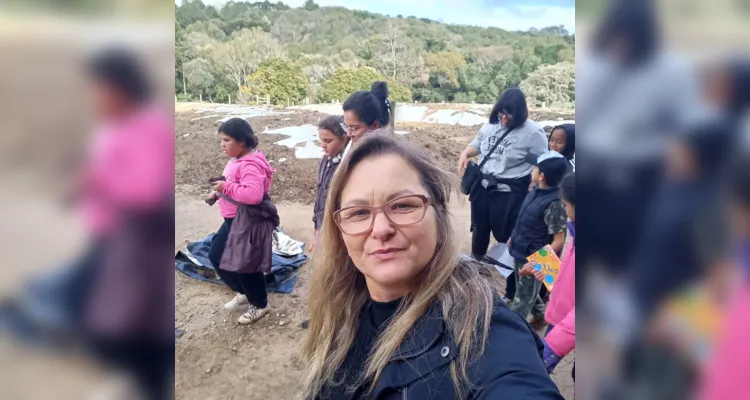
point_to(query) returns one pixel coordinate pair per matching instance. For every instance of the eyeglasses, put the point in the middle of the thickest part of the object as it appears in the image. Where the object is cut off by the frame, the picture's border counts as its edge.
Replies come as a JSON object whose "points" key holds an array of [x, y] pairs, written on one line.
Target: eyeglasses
{"points": [[347, 128], [403, 211]]}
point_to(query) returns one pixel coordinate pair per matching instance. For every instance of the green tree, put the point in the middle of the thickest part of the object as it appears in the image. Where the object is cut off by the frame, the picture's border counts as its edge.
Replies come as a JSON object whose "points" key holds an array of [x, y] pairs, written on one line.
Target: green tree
{"points": [[489, 93], [551, 86], [433, 45], [397, 57], [471, 78], [488, 58], [567, 54], [346, 81], [398, 92], [508, 75], [444, 67], [181, 55], [239, 57], [428, 95], [199, 76], [279, 79], [211, 28], [323, 40], [548, 54], [469, 97]]}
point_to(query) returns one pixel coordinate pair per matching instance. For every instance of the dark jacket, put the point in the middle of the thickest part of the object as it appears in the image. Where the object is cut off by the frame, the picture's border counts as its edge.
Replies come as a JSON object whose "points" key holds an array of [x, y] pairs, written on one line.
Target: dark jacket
{"points": [[511, 366], [326, 169], [685, 233], [570, 140], [249, 247], [531, 232], [130, 296]]}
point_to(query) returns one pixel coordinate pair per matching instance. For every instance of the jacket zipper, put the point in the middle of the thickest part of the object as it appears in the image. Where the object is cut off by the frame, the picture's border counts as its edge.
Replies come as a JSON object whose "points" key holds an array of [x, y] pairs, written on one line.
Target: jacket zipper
{"points": [[404, 395]]}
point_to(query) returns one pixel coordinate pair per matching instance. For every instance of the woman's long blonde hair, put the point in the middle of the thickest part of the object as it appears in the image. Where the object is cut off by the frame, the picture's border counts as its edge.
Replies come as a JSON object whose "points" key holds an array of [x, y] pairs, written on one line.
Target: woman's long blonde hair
{"points": [[338, 291]]}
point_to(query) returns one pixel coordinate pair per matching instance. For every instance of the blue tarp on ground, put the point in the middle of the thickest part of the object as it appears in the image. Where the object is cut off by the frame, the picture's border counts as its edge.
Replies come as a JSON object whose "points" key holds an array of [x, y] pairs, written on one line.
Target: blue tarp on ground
{"points": [[195, 263]]}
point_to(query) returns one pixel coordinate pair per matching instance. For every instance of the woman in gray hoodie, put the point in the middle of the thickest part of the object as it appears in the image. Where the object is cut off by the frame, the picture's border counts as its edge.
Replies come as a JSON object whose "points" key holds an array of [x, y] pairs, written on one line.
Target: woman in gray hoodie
{"points": [[506, 175]]}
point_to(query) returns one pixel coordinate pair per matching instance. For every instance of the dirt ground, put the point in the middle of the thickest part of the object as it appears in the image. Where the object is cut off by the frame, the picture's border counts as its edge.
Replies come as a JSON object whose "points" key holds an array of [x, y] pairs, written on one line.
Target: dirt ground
{"points": [[198, 158], [216, 357]]}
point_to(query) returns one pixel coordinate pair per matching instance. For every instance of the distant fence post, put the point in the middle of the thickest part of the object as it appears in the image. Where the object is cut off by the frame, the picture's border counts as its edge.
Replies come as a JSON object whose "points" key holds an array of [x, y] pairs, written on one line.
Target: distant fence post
{"points": [[200, 96], [230, 98], [393, 114]]}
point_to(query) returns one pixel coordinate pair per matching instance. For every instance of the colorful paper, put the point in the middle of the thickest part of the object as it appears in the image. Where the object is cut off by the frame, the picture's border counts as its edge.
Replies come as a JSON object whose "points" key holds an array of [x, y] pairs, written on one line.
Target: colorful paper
{"points": [[546, 260], [696, 319]]}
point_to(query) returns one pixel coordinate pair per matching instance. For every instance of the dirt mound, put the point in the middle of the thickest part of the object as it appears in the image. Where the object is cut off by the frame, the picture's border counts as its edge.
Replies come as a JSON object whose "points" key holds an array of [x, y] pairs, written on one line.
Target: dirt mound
{"points": [[199, 157]]}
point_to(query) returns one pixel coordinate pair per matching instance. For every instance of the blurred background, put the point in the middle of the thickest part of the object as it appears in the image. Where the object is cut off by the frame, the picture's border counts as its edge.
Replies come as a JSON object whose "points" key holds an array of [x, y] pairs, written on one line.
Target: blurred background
{"points": [[662, 98], [69, 73]]}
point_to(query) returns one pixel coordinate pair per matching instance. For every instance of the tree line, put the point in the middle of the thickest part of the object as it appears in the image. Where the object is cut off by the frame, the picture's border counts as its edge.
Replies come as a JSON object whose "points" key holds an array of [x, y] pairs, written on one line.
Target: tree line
{"points": [[244, 49]]}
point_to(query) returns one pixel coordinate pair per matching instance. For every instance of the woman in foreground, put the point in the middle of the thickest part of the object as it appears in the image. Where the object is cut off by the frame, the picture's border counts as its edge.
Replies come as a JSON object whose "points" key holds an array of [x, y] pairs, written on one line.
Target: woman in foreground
{"points": [[393, 312]]}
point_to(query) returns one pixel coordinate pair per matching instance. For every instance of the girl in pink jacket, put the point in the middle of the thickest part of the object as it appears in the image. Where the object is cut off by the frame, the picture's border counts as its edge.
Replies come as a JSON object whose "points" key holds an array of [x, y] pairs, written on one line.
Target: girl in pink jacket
{"points": [[728, 369], [561, 311], [247, 180]]}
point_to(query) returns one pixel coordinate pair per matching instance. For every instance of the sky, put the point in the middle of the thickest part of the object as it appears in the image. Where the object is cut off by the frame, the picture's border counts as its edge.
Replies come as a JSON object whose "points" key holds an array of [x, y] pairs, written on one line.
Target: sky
{"points": [[506, 14]]}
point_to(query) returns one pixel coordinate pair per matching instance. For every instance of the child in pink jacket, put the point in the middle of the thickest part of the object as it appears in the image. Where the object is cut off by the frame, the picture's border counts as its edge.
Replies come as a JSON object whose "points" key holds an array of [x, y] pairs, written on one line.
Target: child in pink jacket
{"points": [[247, 180], [561, 311], [728, 370]]}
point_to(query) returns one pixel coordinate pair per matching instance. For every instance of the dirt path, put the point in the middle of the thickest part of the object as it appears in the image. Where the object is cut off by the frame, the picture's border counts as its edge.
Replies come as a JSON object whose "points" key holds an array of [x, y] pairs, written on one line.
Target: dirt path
{"points": [[219, 359]]}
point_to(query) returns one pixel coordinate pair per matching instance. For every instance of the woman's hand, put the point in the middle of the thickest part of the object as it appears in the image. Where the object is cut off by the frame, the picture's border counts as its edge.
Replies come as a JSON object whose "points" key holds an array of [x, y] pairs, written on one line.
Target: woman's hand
{"points": [[463, 162], [219, 187]]}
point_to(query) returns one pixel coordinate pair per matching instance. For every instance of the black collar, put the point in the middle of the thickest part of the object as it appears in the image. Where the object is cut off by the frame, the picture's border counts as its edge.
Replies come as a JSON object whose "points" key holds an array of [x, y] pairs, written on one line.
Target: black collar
{"points": [[428, 346]]}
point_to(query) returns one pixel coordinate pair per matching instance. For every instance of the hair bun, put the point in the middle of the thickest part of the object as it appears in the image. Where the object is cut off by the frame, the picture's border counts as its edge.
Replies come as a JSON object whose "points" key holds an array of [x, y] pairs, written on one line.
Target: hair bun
{"points": [[380, 90]]}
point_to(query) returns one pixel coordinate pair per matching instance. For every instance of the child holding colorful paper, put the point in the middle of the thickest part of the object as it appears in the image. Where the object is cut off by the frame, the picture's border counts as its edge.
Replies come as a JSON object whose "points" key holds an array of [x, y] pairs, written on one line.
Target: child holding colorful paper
{"points": [[541, 222], [561, 311]]}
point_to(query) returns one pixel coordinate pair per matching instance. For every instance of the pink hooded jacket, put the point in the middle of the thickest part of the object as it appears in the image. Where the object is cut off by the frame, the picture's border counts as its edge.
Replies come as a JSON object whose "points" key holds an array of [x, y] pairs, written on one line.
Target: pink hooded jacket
{"points": [[728, 370], [130, 166], [561, 311], [247, 179]]}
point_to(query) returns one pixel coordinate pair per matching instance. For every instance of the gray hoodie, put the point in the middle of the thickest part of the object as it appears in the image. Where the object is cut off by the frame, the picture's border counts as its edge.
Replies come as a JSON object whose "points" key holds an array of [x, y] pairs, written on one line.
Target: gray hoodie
{"points": [[508, 159]]}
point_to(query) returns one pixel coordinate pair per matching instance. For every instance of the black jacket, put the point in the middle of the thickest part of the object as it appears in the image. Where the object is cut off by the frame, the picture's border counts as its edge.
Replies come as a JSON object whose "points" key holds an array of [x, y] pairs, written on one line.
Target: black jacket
{"points": [[531, 232], [511, 366], [326, 169], [684, 235]]}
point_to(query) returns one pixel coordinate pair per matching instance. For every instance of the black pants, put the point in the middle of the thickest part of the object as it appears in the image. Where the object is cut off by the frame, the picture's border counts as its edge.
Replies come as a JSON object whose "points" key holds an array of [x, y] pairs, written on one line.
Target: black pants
{"points": [[149, 362], [251, 285], [493, 212], [611, 244]]}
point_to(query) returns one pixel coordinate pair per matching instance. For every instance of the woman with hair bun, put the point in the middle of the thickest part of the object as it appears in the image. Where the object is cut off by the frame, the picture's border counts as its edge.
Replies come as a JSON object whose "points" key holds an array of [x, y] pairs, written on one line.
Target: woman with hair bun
{"points": [[367, 111]]}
